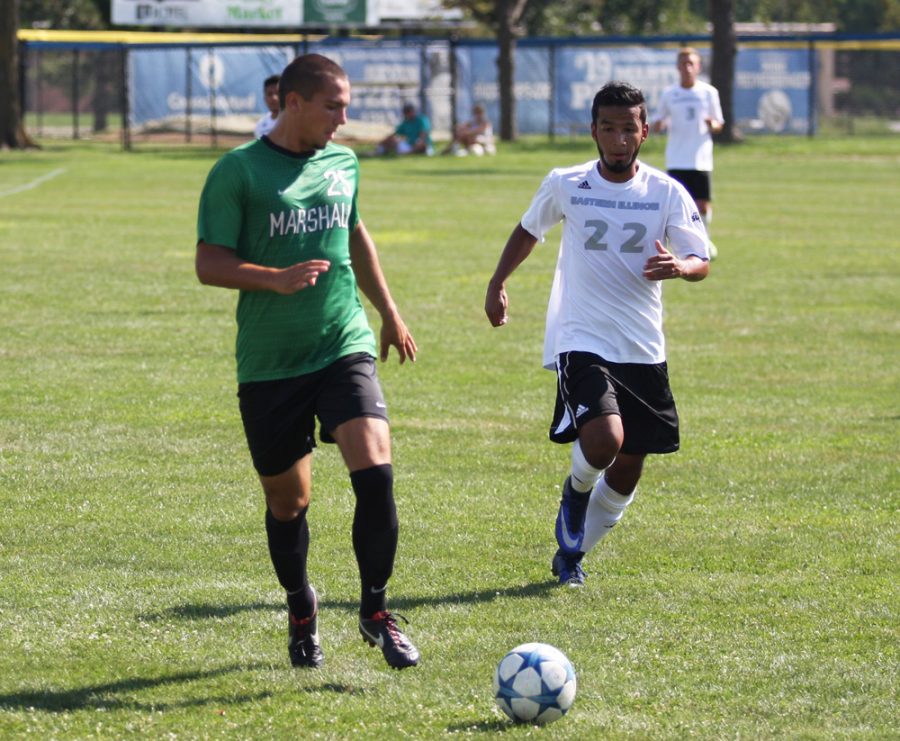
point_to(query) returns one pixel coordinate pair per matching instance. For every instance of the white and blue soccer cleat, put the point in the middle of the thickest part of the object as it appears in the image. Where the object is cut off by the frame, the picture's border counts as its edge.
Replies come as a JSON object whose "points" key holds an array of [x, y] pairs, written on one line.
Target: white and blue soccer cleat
{"points": [[570, 520]]}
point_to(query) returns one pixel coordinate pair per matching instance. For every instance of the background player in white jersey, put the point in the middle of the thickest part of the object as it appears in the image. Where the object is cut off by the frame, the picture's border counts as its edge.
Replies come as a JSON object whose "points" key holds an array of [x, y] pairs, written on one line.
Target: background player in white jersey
{"points": [[270, 94], [626, 228], [692, 113], [278, 221]]}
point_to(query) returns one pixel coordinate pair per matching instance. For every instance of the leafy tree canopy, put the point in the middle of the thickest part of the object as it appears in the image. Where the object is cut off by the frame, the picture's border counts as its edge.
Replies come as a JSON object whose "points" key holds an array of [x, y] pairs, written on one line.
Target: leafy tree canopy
{"points": [[64, 14], [628, 17]]}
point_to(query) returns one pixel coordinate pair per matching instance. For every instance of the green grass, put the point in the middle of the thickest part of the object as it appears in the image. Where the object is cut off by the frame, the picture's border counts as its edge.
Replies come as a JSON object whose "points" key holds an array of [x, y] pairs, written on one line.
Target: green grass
{"points": [[751, 591]]}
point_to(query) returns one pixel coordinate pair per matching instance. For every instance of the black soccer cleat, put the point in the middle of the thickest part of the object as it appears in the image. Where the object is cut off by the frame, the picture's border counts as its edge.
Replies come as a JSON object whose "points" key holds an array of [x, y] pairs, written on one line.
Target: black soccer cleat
{"points": [[381, 630], [568, 568], [303, 641]]}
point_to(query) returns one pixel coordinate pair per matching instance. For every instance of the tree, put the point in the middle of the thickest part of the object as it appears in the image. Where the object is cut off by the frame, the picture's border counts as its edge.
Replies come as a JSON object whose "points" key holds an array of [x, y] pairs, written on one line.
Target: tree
{"points": [[504, 18], [724, 49], [616, 17], [84, 15], [12, 131]]}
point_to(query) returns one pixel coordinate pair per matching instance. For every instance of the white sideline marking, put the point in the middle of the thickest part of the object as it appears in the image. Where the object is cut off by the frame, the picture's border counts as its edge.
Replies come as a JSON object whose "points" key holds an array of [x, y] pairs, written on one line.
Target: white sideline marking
{"points": [[34, 183]]}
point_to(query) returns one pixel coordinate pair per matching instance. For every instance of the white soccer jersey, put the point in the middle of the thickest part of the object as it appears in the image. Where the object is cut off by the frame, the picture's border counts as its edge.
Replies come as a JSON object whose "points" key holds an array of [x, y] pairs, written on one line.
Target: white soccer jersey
{"points": [[689, 145], [600, 302], [264, 126]]}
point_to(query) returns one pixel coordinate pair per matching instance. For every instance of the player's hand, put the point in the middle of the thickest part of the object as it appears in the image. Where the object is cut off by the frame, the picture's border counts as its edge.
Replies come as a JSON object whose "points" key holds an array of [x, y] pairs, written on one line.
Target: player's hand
{"points": [[663, 265], [296, 277], [395, 332], [496, 304]]}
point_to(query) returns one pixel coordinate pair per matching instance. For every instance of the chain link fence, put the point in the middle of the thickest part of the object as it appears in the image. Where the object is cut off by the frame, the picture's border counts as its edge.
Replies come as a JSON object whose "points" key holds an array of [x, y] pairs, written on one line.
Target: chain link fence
{"points": [[87, 90]]}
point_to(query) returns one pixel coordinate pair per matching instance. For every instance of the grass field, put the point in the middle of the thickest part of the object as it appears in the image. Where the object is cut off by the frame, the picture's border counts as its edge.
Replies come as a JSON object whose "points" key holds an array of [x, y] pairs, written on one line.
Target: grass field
{"points": [[751, 591]]}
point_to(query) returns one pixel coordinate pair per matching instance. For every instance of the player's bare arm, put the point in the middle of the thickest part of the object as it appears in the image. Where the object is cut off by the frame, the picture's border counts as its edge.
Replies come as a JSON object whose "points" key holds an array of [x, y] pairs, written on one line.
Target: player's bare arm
{"points": [[518, 248], [372, 283], [220, 266], [665, 266]]}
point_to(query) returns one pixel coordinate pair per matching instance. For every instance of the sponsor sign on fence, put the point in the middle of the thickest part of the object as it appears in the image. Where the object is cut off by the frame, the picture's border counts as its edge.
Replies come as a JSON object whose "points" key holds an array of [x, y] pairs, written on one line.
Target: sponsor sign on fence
{"points": [[554, 85]]}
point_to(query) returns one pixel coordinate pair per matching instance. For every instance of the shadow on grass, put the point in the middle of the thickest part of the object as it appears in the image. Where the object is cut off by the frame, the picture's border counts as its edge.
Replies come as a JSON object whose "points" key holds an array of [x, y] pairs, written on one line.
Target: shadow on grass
{"points": [[209, 611], [105, 696], [480, 596], [496, 725], [338, 689], [218, 611]]}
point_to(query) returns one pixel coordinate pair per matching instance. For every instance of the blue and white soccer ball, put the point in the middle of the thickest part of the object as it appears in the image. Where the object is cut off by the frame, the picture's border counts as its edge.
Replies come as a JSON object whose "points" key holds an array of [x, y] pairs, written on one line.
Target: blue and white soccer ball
{"points": [[534, 683]]}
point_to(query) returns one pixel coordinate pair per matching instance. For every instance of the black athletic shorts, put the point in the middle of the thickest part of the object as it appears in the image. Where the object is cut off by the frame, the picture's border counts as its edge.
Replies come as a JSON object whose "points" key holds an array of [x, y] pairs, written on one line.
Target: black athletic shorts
{"points": [[697, 182], [279, 416], [589, 386]]}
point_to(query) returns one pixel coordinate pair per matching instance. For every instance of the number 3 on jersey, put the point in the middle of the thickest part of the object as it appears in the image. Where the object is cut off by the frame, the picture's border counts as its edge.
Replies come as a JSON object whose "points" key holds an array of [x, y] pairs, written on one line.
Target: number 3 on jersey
{"points": [[630, 245]]}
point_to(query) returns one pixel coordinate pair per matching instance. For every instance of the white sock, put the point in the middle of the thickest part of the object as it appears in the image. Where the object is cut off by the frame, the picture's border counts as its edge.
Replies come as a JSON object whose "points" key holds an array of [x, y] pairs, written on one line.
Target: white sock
{"points": [[584, 476], [605, 509]]}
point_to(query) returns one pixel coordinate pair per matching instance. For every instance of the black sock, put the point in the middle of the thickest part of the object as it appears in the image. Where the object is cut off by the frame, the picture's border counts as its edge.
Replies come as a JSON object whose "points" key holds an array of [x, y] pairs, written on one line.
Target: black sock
{"points": [[374, 534], [288, 547]]}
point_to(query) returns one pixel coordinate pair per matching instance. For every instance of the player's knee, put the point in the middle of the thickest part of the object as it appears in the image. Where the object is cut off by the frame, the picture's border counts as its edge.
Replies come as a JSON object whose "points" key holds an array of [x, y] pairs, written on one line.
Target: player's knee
{"points": [[287, 511], [600, 440], [284, 498], [600, 452]]}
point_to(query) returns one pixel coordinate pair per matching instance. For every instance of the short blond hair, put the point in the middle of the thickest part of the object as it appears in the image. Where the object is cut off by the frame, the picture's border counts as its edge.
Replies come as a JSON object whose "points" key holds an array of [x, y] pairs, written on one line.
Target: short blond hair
{"points": [[688, 51]]}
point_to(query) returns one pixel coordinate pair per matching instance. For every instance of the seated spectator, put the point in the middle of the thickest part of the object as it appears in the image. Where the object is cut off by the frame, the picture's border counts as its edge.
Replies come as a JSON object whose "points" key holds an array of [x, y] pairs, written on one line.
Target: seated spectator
{"points": [[473, 137], [267, 122], [412, 135]]}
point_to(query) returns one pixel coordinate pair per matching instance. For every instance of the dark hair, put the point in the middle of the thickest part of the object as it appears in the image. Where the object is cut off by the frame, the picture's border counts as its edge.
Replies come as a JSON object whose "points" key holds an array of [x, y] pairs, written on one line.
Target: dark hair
{"points": [[307, 75], [271, 80], [619, 95]]}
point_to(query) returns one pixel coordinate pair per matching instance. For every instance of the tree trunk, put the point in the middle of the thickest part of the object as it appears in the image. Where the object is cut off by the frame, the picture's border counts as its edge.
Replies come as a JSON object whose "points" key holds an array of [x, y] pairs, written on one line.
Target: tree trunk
{"points": [[506, 75], [102, 83], [724, 50], [12, 132]]}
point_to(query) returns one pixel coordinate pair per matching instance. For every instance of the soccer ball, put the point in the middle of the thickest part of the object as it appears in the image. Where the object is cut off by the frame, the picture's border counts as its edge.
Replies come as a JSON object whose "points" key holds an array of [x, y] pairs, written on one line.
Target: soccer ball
{"points": [[534, 683]]}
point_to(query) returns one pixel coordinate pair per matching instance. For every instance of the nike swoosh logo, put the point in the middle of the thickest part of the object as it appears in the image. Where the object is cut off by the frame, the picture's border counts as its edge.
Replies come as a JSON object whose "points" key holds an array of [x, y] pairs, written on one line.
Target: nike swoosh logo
{"points": [[568, 541], [379, 640], [377, 591]]}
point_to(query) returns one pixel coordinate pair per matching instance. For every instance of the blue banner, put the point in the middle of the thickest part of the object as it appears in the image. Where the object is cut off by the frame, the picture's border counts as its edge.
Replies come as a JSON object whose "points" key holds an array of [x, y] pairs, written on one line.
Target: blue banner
{"points": [[772, 91], [581, 71], [554, 84], [166, 84], [476, 69], [383, 78]]}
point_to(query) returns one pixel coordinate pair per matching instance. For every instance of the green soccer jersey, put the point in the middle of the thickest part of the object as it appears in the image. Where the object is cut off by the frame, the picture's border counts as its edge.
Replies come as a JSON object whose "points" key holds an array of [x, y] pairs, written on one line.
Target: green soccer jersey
{"points": [[276, 208]]}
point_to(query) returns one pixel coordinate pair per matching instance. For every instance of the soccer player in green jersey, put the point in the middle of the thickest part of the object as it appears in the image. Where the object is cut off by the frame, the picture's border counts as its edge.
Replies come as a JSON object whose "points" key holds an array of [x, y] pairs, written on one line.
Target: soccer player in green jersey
{"points": [[278, 221]]}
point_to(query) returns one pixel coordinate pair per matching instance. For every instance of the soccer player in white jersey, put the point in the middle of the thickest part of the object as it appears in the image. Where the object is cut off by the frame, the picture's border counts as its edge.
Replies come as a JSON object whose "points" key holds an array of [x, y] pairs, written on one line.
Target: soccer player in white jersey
{"points": [[270, 94], [626, 228], [692, 113]]}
